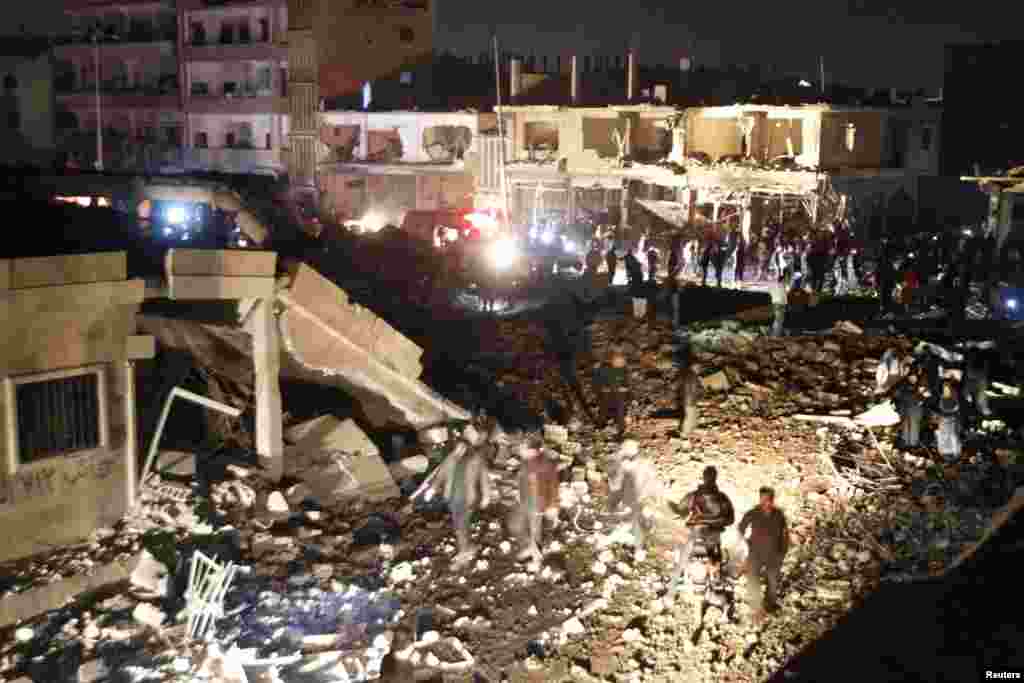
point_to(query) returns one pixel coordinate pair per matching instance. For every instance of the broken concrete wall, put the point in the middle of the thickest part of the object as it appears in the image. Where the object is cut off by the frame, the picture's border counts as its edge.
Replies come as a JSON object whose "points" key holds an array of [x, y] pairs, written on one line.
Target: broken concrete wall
{"points": [[861, 128], [67, 397], [332, 341]]}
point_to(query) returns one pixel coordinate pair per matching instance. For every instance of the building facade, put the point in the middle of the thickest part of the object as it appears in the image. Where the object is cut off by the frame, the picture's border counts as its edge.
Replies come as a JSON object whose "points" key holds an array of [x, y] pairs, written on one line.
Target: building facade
{"points": [[379, 165], [117, 70], [234, 66], [26, 100], [335, 49]]}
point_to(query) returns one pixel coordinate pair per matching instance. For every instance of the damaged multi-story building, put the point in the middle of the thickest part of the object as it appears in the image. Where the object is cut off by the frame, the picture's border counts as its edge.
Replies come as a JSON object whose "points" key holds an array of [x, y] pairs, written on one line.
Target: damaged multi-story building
{"points": [[377, 166], [679, 163]]}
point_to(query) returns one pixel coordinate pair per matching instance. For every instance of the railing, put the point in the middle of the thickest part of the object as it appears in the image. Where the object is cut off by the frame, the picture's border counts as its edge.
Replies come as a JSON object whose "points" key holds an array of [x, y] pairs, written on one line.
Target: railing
{"points": [[247, 90], [114, 89], [227, 43], [126, 37], [232, 160]]}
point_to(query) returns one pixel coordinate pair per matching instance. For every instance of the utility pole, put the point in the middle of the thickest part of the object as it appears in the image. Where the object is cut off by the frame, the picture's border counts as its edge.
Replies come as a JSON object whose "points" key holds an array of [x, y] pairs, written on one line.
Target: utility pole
{"points": [[822, 68], [501, 138], [99, 106]]}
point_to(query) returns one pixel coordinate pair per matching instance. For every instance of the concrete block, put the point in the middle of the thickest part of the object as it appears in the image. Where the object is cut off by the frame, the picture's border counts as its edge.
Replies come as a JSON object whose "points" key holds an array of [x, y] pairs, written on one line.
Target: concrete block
{"points": [[221, 263], [50, 271], [33, 602], [409, 467], [63, 339], [150, 574], [140, 347], [25, 303], [186, 287], [328, 433]]}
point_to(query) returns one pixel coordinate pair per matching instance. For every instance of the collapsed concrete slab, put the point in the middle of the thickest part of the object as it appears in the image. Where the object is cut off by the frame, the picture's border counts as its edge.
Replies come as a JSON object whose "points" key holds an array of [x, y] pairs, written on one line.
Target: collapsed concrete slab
{"points": [[336, 461]]}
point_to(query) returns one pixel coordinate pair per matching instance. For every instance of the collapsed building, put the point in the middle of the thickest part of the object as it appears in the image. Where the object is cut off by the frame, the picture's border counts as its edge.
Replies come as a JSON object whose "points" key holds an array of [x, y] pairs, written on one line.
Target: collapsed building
{"points": [[69, 433]]}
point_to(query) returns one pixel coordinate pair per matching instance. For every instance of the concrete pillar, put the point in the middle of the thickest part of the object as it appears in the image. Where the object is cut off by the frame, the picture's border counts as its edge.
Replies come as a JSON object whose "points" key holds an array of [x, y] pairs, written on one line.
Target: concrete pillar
{"points": [[631, 76], [624, 208], [747, 219], [574, 80], [131, 438], [571, 204], [515, 76], [266, 356]]}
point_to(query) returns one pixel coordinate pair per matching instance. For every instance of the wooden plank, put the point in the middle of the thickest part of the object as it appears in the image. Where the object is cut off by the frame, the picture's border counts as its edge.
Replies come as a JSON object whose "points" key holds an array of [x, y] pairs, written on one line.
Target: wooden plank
{"points": [[221, 262], [217, 287], [49, 271]]}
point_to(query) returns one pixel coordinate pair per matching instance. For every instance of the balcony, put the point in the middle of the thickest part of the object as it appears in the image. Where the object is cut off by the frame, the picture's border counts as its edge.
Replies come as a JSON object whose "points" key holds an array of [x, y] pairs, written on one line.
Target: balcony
{"points": [[233, 160], [246, 101], [215, 51], [119, 38], [398, 7], [118, 95]]}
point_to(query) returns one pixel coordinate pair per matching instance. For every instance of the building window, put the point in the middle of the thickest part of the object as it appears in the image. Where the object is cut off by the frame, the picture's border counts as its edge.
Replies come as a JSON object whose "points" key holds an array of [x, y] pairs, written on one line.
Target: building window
{"points": [[230, 88], [851, 137], [58, 415], [244, 34], [227, 34], [269, 146], [198, 33], [265, 30], [200, 88], [926, 139], [202, 141], [229, 140], [406, 34], [263, 78]]}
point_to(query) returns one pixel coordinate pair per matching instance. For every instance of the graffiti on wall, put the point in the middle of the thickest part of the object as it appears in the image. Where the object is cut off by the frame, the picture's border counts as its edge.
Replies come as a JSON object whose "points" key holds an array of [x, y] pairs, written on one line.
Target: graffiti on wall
{"points": [[43, 482]]}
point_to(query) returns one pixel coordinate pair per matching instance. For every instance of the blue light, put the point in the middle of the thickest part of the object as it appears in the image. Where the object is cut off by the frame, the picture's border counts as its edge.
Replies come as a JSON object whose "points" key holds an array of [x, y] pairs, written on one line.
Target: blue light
{"points": [[367, 95]]}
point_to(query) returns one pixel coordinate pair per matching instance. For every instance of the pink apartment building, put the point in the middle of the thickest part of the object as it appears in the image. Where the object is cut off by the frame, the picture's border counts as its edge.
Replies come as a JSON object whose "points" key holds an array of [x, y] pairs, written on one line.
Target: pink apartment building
{"points": [[197, 84]]}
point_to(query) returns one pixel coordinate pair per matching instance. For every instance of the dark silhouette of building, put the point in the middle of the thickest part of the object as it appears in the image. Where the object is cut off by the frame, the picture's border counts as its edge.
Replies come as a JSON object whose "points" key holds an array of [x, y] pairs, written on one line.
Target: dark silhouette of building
{"points": [[981, 125]]}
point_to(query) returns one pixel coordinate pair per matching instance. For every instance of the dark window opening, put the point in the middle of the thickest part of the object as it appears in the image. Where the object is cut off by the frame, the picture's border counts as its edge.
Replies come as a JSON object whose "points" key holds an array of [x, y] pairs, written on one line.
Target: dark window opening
{"points": [[268, 142], [200, 88], [198, 33], [406, 34], [202, 141], [926, 139], [244, 33], [58, 416], [230, 88], [227, 34], [10, 83], [229, 140], [171, 135], [265, 30]]}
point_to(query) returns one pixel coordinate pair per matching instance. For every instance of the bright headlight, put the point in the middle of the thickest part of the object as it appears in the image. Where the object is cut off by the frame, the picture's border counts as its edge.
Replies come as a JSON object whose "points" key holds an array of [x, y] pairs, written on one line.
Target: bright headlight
{"points": [[176, 215], [1011, 304], [570, 247], [503, 254], [547, 237]]}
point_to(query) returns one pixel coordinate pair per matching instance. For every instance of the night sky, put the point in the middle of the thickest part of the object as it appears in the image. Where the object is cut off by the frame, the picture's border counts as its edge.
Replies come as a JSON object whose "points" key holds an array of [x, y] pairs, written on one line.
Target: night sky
{"points": [[872, 43]]}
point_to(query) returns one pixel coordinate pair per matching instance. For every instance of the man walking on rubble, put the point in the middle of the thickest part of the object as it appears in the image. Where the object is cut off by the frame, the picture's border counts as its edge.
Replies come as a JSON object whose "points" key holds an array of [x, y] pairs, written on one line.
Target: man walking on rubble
{"points": [[766, 548], [708, 512]]}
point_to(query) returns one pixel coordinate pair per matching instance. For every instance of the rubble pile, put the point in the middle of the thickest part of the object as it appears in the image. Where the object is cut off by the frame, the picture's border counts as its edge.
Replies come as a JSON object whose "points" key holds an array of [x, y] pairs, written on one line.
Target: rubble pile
{"points": [[336, 569]]}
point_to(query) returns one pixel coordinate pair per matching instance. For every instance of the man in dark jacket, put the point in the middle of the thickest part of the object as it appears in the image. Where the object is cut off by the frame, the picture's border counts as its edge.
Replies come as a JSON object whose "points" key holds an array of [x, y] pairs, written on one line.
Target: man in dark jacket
{"points": [[708, 513], [612, 261], [767, 547]]}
